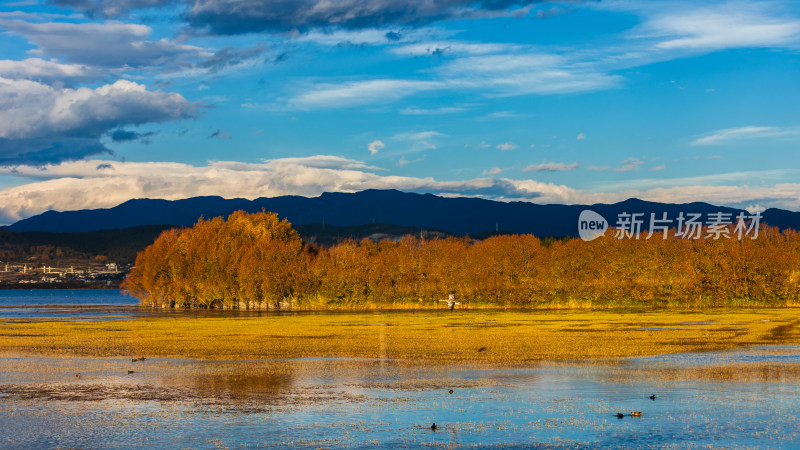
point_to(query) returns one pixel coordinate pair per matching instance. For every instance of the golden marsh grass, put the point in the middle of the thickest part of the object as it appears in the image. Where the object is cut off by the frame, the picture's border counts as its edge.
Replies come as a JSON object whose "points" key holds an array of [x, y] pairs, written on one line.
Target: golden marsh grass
{"points": [[495, 337]]}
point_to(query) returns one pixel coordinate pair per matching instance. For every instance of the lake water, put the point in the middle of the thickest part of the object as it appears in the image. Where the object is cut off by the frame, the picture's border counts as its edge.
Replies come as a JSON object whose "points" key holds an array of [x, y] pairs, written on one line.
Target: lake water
{"points": [[745, 398], [62, 304], [740, 399]]}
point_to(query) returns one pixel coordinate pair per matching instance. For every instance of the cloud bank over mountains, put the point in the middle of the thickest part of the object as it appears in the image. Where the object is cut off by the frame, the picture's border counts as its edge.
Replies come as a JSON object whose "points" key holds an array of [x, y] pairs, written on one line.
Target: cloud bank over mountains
{"points": [[100, 184]]}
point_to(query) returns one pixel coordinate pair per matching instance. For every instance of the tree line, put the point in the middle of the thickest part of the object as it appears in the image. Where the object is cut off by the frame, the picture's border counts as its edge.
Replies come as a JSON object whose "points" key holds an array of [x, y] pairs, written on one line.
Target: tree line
{"points": [[257, 261]]}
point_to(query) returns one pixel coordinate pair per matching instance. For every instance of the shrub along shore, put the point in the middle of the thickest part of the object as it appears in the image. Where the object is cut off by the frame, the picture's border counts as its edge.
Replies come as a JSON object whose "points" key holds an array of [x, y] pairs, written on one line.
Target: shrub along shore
{"points": [[256, 261]]}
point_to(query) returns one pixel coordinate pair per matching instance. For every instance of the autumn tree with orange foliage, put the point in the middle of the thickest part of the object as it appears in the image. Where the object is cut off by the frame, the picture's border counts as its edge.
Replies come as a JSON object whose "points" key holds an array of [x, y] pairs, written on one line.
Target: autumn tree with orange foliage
{"points": [[246, 261], [258, 261]]}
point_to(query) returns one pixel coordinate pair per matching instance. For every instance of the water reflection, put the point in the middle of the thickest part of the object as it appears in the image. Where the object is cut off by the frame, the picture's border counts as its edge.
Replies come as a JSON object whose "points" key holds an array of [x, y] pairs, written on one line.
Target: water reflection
{"points": [[746, 398]]}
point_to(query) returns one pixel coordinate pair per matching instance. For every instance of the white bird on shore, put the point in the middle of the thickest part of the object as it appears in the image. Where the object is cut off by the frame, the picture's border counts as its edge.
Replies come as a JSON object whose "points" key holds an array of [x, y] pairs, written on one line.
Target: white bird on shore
{"points": [[451, 301]]}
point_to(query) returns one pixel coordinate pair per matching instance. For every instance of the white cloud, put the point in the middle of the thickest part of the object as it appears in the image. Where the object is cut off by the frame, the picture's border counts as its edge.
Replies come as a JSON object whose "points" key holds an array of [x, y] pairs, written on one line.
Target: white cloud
{"points": [[104, 184], [657, 168], [506, 146], [79, 184], [492, 171], [402, 161], [731, 135], [551, 167], [493, 74], [727, 25], [580, 136], [524, 73], [412, 111], [629, 164], [479, 146], [107, 44], [375, 146], [669, 30], [503, 115], [356, 93], [31, 109], [740, 178], [417, 136], [41, 123], [47, 71]]}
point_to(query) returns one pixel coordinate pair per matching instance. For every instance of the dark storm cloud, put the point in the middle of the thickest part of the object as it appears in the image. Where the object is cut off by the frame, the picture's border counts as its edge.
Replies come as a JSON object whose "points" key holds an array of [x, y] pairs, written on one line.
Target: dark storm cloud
{"points": [[130, 136], [245, 16], [392, 36], [220, 134]]}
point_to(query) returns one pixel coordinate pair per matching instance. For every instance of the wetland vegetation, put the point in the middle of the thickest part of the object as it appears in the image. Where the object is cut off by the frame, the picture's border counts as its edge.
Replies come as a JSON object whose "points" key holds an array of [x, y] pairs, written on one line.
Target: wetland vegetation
{"points": [[494, 337]]}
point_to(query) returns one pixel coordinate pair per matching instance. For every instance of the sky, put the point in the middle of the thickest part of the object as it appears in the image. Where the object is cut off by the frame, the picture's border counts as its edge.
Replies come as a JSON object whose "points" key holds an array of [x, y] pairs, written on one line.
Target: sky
{"points": [[576, 102]]}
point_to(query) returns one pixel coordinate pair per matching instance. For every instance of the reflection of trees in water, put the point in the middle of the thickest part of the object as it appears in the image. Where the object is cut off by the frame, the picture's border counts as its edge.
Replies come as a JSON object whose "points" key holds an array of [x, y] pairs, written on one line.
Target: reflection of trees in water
{"points": [[752, 372], [240, 386]]}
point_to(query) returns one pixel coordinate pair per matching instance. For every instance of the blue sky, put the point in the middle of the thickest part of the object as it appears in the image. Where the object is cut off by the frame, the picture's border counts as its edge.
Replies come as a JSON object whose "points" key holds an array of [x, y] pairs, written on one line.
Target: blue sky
{"points": [[102, 101]]}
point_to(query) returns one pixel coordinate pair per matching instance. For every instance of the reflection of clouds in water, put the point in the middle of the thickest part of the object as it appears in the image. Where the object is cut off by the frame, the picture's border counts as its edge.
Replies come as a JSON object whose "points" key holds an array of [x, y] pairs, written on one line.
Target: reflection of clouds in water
{"points": [[366, 402]]}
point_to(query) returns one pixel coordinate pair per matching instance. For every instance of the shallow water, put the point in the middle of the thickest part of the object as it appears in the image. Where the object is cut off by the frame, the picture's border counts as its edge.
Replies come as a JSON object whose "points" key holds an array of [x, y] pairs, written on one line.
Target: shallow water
{"points": [[61, 304], [66, 297], [89, 304], [745, 398]]}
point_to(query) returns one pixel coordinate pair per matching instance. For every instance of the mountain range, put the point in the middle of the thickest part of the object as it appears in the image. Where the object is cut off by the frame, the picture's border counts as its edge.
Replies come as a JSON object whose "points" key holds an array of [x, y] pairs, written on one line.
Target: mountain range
{"points": [[426, 211]]}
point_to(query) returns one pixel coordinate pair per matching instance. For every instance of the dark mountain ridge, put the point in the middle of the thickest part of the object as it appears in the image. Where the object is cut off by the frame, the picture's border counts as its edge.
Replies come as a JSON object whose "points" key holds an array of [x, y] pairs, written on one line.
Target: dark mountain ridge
{"points": [[452, 215]]}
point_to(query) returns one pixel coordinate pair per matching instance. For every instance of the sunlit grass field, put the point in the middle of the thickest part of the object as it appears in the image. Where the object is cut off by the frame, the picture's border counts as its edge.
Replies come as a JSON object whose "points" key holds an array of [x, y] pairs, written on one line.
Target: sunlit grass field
{"points": [[496, 337]]}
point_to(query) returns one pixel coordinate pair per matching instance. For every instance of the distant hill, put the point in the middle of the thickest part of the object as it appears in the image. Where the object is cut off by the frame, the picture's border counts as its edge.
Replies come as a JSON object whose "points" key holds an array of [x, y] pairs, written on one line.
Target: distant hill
{"points": [[418, 211], [122, 245], [118, 246]]}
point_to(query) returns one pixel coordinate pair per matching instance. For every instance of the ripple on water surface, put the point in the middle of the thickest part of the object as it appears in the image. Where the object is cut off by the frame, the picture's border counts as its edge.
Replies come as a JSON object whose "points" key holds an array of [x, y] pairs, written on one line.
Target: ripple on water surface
{"points": [[116, 402]]}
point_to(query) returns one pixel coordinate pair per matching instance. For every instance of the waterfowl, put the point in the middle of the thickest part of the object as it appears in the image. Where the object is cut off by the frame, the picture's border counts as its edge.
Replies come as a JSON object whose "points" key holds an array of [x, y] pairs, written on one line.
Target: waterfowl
{"points": [[130, 372], [620, 415], [653, 397], [433, 427], [636, 414], [451, 301], [450, 391]]}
